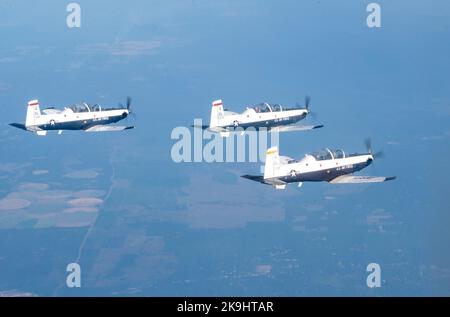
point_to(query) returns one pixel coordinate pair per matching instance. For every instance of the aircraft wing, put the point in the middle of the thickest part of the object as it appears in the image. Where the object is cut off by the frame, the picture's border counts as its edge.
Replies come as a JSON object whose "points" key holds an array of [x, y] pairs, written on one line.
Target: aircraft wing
{"points": [[291, 128], [351, 179], [108, 128]]}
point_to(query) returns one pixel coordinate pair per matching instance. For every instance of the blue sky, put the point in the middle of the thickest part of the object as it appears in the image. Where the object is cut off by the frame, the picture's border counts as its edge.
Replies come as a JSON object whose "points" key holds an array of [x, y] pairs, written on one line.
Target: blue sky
{"points": [[199, 227]]}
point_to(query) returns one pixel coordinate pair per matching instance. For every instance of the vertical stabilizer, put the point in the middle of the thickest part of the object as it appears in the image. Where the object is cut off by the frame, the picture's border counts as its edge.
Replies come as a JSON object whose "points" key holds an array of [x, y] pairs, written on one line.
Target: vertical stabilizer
{"points": [[272, 167], [33, 113], [216, 113]]}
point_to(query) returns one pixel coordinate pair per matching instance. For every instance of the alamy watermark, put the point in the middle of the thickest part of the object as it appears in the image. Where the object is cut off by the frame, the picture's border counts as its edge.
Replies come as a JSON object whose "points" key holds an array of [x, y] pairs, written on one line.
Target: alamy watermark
{"points": [[374, 278], [74, 277], [73, 19], [374, 18], [204, 145]]}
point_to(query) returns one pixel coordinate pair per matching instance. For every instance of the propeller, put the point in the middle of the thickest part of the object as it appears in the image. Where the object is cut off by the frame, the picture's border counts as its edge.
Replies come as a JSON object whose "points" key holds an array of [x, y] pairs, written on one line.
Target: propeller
{"points": [[368, 143], [306, 106], [129, 103], [307, 101], [128, 106]]}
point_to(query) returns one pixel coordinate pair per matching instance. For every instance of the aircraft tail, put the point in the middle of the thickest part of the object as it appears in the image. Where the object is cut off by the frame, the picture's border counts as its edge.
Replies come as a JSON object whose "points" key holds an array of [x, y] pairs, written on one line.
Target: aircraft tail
{"points": [[33, 112], [272, 163], [216, 113]]}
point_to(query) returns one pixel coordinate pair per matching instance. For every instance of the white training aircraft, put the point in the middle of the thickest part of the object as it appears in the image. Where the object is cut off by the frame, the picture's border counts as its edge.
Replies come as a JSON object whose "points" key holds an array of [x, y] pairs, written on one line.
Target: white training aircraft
{"points": [[89, 118], [273, 117], [333, 166]]}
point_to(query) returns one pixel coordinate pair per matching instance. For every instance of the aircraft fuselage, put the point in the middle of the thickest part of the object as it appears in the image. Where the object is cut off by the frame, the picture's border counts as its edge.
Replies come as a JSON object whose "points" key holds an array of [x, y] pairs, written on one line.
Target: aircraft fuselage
{"points": [[258, 121], [325, 170], [77, 121]]}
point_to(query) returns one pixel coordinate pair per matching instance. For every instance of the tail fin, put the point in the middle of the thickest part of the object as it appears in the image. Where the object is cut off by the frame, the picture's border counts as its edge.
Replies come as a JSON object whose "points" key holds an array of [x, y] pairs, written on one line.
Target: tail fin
{"points": [[272, 163], [216, 113], [33, 112]]}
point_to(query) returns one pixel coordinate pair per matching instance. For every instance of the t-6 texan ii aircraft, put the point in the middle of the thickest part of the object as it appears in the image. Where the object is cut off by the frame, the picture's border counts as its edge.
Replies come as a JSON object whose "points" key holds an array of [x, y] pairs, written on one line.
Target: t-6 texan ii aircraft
{"points": [[272, 117], [333, 166], [83, 116]]}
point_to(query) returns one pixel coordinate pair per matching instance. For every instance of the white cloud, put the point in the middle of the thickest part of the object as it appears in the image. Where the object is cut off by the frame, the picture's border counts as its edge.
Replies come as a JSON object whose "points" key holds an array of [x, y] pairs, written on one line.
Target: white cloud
{"points": [[85, 202], [16, 293], [4, 86], [124, 48], [9, 59], [40, 172], [13, 204], [379, 217], [228, 205], [33, 186], [83, 174], [89, 193], [50, 207], [263, 269], [17, 53], [80, 209]]}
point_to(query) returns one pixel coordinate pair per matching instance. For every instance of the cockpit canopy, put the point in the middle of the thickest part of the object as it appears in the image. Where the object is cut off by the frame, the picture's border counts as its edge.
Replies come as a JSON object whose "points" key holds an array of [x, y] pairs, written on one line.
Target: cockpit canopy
{"points": [[271, 107], [84, 107], [266, 107], [327, 154]]}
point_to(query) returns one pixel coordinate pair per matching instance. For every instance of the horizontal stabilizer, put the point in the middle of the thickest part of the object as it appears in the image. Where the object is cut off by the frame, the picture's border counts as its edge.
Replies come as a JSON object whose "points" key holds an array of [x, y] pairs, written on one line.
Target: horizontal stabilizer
{"points": [[18, 126], [275, 182], [198, 126], [218, 129], [108, 128], [292, 128], [350, 179], [256, 178]]}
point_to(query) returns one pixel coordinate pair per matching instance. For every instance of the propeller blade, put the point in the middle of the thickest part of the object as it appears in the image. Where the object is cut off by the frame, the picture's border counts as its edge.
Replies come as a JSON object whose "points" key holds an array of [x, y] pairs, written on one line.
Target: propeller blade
{"points": [[306, 105], [128, 103], [378, 155], [368, 144], [307, 101], [313, 115]]}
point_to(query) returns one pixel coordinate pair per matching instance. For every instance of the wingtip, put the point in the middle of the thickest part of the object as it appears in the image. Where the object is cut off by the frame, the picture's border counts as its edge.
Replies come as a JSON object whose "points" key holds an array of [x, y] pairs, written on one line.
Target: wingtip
{"points": [[390, 178], [318, 126]]}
